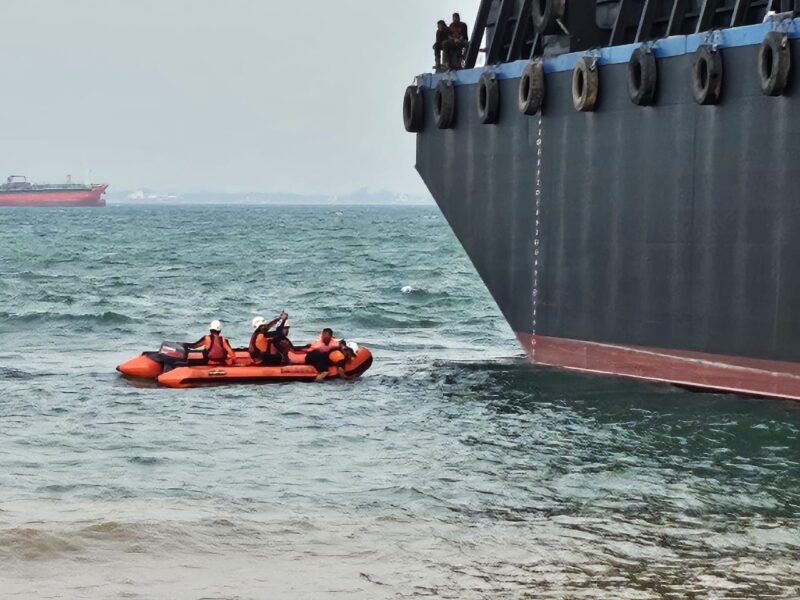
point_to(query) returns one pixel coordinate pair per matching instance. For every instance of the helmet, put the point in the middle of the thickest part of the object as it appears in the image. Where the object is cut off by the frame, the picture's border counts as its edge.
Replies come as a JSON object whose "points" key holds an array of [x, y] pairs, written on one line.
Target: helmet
{"points": [[215, 325], [258, 322], [353, 346]]}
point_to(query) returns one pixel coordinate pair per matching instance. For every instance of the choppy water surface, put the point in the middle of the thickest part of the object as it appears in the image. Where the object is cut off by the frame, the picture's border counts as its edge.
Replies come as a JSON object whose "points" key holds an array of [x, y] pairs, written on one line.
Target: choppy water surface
{"points": [[451, 470]]}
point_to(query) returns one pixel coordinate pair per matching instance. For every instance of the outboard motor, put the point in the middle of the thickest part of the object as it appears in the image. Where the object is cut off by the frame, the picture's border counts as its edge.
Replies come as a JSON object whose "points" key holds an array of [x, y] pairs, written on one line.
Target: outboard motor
{"points": [[173, 354], [152, 364]]}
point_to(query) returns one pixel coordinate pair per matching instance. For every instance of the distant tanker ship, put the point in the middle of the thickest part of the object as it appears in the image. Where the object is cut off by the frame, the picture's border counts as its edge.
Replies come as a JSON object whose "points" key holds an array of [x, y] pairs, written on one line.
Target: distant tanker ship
{"points": [[18, 191]]}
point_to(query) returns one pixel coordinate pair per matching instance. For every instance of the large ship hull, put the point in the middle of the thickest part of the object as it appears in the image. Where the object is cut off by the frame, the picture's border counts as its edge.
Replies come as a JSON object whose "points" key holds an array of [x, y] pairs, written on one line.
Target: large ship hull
{"points": [[91, 197], [654, 242]]}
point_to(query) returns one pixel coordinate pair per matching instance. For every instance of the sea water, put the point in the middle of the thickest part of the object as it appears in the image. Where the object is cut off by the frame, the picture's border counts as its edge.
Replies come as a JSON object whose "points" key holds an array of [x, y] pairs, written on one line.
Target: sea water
{"points": [[451, 469]]}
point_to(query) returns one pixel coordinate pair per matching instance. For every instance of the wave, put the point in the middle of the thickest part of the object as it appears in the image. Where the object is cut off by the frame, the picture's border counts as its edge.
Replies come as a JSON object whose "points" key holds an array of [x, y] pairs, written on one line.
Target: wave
{"points": [[107, 317], [28, 543], [145, 460], [83, 539], [62, 540], [410, 289], [36, 276], [11, 373], [378, 321]]}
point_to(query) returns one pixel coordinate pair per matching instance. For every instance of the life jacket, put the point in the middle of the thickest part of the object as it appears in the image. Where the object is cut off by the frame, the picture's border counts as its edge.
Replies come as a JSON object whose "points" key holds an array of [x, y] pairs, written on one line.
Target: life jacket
{"points": [[215, 349], [336, 358], [259, 343], [262, 343], [322, 346]]}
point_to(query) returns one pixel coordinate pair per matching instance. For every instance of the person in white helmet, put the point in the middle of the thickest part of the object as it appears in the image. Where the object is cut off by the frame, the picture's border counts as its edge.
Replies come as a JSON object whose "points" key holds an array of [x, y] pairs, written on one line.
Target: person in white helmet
{"points": [[216, 349], [262, 349]]}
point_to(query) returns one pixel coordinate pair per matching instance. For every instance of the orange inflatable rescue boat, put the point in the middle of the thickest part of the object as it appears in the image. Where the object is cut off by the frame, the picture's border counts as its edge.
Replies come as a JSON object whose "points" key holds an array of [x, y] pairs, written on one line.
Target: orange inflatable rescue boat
{"points": [[173, 366]]}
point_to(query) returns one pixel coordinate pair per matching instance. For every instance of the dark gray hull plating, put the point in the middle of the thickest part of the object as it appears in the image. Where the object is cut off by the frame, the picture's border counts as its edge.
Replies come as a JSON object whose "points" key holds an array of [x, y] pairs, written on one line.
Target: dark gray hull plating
{"points": [[674, 226]]}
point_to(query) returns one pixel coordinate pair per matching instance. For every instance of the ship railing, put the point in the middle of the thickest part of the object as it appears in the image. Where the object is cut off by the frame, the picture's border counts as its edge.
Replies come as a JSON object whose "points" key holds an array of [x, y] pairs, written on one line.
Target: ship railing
{"points": [[510, 33], [43, 187]]}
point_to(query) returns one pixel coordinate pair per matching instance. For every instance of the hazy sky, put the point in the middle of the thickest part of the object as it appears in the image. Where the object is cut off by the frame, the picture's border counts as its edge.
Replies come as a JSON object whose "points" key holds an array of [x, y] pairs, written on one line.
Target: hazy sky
{"points": [[234, 95]]}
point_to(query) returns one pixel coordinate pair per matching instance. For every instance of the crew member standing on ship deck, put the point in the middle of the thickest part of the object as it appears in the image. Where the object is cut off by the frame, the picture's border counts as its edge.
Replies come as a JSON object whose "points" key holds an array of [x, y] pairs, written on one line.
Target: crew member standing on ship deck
{"points": [[442, 35], [456, 46]]}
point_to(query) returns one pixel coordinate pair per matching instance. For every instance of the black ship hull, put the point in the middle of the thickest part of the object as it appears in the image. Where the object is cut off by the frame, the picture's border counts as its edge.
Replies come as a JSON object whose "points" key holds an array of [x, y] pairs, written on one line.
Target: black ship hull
{"points": [[659, 242]]}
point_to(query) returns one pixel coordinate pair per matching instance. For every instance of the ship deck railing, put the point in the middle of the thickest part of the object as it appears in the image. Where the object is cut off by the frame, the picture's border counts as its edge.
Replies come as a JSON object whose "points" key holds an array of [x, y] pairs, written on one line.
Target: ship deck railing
{"points": [[676, 45]]}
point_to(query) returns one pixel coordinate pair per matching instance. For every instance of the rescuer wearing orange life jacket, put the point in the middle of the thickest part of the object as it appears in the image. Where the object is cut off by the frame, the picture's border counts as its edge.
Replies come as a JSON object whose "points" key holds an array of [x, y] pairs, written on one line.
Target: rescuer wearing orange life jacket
{"points": [[325, 343], [216, 349], [262, 346], [338, 358], [317, 355]]}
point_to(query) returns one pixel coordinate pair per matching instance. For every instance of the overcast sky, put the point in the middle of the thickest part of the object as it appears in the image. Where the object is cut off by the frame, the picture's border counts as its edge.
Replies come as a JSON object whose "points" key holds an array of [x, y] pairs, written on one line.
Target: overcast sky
{"points": [[234, 95]]}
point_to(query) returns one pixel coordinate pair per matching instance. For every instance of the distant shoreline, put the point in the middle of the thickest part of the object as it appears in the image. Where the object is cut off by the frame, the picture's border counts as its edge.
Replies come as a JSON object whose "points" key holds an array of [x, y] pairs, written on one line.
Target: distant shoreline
{"points": [[359, 197]]}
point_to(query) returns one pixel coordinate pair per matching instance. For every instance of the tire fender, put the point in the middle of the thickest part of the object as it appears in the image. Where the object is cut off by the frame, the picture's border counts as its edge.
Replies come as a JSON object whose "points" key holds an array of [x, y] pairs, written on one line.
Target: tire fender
{"points": [[413, 109], [531, 89], [488, 98], [774, 63], [585, 84], [444, 104], [546, 14], [707, 75], [642, 76]]}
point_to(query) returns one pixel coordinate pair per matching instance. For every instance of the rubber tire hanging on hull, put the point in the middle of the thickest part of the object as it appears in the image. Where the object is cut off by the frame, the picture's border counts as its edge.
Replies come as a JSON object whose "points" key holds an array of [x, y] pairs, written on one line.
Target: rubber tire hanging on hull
{"points": [[413, 109], [585, 84], [444, 104], [531, 89], [707, 75], [642, 76], [546, 14], [774, 63], [488, 99]]}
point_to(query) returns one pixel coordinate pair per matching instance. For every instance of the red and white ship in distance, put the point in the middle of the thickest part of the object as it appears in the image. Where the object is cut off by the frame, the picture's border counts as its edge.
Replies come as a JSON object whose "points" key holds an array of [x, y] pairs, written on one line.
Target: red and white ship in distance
{"points": [[18, 191]]}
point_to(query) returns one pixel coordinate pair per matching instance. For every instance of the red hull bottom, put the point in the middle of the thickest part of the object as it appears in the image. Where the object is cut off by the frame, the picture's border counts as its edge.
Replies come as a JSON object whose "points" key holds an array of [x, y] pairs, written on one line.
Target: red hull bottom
{"points": [[83, 197], [53, 203], [749, 376]]}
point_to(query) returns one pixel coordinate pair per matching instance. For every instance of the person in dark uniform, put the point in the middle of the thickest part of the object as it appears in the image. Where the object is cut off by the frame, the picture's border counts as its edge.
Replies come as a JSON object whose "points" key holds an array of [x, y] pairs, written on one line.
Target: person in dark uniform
{"points": [[283, 344], [456, 45], [442, 35], [460, 36], [458, 29]]}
